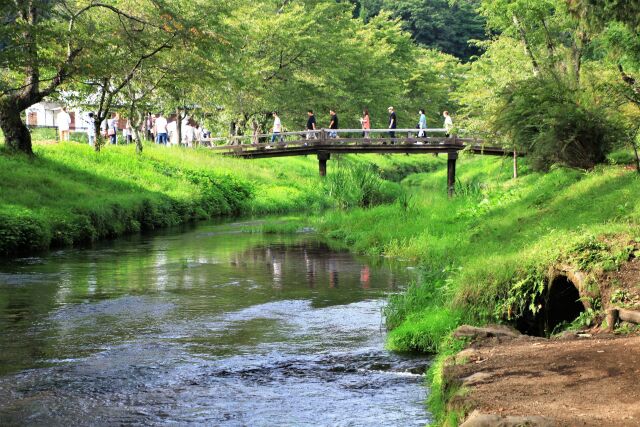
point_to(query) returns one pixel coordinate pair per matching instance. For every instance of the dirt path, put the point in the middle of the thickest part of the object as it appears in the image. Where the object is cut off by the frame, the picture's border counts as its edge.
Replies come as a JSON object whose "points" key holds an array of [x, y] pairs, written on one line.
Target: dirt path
{"points": [[577, 382]]}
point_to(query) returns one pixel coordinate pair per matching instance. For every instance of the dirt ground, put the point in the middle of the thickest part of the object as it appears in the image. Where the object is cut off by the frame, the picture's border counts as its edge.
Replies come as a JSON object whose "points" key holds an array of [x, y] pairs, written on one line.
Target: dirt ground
{"points": [[592, 381]]}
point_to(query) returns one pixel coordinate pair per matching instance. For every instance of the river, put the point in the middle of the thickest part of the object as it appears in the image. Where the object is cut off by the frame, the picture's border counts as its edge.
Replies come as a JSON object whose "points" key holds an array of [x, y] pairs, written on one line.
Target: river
{"points": [[203, 326]]}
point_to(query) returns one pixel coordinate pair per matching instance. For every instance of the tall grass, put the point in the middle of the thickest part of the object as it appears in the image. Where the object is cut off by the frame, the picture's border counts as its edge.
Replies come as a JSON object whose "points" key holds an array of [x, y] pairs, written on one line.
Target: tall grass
{"points": [[494, 234]]}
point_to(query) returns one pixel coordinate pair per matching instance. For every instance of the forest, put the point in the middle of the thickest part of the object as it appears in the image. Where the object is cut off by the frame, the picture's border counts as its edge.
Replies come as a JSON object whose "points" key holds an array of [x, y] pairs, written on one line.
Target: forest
{"points": [[555, 78]]}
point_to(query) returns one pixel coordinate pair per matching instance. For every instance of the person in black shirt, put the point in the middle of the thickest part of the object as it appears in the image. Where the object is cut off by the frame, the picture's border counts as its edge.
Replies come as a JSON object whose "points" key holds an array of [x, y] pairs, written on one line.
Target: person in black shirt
{"points": [[333, 124], [311, 125], [393, 122]]}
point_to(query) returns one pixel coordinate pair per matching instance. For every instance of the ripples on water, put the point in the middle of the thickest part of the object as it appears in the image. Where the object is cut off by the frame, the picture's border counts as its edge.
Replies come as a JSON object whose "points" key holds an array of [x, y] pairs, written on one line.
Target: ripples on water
{"points": [[207, 327]]}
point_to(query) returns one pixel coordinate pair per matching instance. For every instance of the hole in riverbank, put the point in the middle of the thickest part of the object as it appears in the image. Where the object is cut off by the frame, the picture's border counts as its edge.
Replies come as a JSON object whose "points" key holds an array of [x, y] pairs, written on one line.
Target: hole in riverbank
{"points": [[560, 304]]}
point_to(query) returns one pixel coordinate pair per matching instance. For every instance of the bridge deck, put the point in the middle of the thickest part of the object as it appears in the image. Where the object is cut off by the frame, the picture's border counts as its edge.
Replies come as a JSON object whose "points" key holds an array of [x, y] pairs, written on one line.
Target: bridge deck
{"points": [[323, 143]]}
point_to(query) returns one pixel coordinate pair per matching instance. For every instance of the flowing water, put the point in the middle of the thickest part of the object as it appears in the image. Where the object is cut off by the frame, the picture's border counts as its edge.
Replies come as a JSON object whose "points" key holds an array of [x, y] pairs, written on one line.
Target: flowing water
{"points": [[206, 326]]}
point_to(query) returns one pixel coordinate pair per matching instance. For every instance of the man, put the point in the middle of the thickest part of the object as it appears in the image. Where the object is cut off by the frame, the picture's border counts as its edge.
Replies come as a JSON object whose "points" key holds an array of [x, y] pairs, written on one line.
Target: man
{"points": [[311, 125], [333, 124], [277, 128], [161, 129], [64, 123], [448, 123], [393, 122]]}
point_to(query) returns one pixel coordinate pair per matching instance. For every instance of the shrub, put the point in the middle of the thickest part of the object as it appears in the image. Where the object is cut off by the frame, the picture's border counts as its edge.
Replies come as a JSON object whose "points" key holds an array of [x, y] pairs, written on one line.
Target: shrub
{"points": [[556, 123], [358, 185]]}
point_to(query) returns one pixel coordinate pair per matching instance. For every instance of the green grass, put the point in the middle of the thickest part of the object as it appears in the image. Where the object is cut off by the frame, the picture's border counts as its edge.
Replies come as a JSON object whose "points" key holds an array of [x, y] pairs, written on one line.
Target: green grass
{"points": [[68, 194]]}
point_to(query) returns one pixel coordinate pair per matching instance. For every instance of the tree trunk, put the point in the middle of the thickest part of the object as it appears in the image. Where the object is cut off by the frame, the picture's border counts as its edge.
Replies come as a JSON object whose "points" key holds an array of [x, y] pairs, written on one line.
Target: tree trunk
{"points": [[634, 145], [135, 120], [16, 134], [179, 125]]}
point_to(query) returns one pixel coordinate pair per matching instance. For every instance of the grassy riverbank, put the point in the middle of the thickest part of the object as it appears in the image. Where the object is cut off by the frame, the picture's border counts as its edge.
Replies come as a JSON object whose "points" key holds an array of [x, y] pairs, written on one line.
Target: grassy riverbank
{"points": [[486, 253], [68, 194]]}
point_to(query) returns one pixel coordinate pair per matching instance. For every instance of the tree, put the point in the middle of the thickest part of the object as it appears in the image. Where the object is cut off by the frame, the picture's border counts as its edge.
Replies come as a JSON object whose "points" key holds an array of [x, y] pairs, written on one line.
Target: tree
{"points": [[314, 55], [438, 24], [46, 44]]}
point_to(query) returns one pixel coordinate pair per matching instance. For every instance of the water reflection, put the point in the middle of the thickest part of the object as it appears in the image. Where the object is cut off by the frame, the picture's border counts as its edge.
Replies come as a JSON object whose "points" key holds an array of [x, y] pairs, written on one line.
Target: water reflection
{"points": [[202, 327]]}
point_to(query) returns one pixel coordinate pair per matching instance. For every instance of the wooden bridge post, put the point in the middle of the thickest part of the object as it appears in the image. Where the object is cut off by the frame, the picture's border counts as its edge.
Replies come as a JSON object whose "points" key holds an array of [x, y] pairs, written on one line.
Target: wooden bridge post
{"points": [[322, 137], [323, 156], [451, 173]]}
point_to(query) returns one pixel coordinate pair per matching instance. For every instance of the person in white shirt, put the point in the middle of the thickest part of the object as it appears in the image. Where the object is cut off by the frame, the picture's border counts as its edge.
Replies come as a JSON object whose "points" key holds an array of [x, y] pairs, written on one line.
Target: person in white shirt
{"points": [[91, 128], [277, 127], [64, 123], [161, 129], [172, 133], [448, 123], [187, 133]]}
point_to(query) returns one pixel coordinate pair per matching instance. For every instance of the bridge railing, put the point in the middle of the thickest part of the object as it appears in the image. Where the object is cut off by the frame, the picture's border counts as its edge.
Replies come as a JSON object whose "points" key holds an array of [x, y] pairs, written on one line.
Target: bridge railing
{"points": [[334, 136]]}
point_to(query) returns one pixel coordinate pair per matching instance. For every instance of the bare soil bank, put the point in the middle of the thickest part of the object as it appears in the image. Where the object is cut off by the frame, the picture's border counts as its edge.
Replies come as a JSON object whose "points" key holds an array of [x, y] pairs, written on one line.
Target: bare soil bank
{"points": [[593, 381]]}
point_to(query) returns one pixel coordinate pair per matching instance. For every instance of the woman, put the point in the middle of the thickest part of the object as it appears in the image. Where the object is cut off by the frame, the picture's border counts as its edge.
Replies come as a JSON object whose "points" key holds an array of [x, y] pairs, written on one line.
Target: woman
{"points": [[422, 124], [112, 129], [366, 122]]}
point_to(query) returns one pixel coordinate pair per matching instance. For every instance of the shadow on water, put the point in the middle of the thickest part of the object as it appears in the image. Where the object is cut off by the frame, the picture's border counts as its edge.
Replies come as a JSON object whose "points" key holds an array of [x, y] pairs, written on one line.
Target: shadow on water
{"points": [[207, 326]]}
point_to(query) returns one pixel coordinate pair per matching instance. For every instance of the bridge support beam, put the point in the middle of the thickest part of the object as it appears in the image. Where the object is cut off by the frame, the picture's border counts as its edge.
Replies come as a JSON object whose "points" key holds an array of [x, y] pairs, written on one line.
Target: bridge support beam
{"points": [[323, 156], [451, 173]]}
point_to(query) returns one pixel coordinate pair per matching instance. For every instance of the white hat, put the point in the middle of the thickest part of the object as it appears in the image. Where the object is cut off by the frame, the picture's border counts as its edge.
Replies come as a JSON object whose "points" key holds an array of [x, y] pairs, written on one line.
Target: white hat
{"points": [[390, 108]]}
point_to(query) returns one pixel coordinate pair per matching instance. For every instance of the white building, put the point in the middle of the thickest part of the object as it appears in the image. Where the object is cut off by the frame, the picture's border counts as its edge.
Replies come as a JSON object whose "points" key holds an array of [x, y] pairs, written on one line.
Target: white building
{"points": [[46, 114]]}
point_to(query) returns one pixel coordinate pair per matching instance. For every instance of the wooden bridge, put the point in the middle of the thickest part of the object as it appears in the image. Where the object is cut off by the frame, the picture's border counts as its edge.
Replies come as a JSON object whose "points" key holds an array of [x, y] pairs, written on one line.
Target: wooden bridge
{"points": [[324, 142]]}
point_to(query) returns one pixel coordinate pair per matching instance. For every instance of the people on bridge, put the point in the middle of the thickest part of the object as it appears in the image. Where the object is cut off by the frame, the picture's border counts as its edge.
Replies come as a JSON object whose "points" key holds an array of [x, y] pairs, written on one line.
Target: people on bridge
{"points": [[422, 124], [276, 130], [365, 121], [333, 124], [311, 125], [393, 122], [448, 123]]}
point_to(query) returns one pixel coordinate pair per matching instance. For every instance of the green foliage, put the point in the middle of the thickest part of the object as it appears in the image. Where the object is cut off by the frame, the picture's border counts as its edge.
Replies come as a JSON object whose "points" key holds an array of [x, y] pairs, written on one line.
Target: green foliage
{"points": [[357, 185], [553, 123], [593, 254], [443, 25], [441, 390], [523, 295], [424, 331], [500, 241]]}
